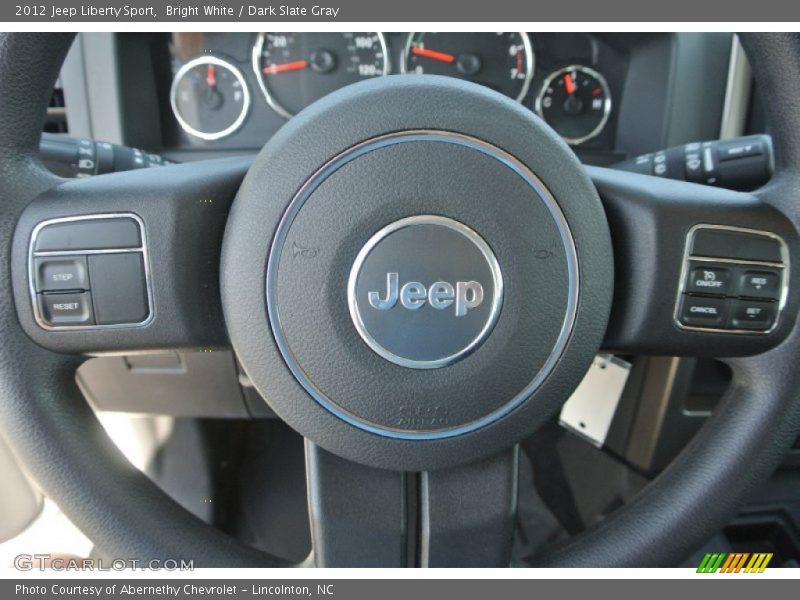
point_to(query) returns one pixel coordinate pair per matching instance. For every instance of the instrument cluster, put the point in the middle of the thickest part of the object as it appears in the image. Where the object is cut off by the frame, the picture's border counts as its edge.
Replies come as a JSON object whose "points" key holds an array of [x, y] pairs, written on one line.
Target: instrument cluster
{"points": [[215, 88]]}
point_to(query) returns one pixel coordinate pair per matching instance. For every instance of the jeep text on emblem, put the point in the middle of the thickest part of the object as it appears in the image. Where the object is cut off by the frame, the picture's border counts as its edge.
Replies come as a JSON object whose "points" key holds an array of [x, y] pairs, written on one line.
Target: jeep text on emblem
{"points": [[425, 291], [441, 294]]}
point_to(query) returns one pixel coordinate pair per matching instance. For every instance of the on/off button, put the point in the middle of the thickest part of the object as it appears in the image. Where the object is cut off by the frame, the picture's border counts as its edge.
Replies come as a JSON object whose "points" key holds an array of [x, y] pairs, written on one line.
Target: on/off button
{"points": [[703, 312], [707, 279]]}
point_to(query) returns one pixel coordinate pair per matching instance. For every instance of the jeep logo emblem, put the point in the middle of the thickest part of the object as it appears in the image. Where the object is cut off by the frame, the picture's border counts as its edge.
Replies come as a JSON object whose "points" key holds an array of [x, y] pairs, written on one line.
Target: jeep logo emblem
{"points": [[466, 295], [424, 292]]}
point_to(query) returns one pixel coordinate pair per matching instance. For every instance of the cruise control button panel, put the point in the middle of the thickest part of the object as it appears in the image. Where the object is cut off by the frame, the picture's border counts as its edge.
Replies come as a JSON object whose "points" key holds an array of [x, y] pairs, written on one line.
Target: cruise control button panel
{"points": [[733, 280], [90, 272]]}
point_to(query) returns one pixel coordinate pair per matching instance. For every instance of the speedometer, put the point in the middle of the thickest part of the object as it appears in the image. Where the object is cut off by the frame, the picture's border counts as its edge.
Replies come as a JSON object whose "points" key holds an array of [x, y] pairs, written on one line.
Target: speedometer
{"points": [[295, 69], [501, 61]]}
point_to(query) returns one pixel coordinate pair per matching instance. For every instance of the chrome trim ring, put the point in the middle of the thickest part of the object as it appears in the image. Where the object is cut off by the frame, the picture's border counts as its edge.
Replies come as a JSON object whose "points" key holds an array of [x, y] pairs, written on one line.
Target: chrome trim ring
{"points": [[606, 105], [255, 55], [432, 136], [173, 90], [494, 310], [530, 62]]}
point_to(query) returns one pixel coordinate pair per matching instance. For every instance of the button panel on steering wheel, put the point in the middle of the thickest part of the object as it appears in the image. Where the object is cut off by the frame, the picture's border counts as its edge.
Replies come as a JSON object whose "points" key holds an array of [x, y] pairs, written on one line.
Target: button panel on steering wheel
{"points": [[90, 271], [733, 280]]}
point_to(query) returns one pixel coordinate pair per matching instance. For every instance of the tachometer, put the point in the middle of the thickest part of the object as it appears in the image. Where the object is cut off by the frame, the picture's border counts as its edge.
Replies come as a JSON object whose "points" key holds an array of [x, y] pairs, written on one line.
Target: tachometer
{"points": [[501, 61], [295, 69], [209, 98], [576, 102]]}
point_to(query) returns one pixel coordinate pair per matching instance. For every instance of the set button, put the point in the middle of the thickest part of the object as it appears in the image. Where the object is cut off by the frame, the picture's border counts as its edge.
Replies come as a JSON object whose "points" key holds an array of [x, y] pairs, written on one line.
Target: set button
{"points": [[750, 314]]}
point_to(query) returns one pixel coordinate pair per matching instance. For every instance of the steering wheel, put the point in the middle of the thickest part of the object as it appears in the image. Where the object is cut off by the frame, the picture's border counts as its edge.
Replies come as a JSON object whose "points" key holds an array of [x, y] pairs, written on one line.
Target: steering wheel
{"points": [[415, 272]]}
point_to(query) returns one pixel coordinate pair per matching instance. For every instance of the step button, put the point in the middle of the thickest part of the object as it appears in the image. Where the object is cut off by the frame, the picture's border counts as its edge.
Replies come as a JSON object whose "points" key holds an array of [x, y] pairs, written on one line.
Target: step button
{"points": [[749, 314], [703, 312], [54, 274]]}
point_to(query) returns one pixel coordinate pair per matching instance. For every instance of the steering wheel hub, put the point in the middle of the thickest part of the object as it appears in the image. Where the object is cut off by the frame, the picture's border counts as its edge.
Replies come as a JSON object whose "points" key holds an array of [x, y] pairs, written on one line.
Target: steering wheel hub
{"points": [[421, 284], [443, 321]]}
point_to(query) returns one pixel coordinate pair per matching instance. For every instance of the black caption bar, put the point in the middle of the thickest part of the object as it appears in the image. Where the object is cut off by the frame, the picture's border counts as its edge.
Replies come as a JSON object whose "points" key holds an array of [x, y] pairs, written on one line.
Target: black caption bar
{"points": [[144, 11], [698, 586]]}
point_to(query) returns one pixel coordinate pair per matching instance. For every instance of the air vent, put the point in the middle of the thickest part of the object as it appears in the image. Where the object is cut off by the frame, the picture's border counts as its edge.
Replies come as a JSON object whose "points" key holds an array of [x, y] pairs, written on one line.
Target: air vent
{"points": [[56, 120]]}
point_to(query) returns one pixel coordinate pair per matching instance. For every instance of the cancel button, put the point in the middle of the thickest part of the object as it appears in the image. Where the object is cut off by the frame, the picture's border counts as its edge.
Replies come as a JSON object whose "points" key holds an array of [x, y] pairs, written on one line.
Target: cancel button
{"points": [[703, 312]]}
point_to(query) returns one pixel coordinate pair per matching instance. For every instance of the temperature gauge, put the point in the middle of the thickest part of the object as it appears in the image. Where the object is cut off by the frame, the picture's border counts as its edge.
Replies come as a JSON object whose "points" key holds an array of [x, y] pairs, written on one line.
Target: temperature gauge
{"points": [[576, 102], [209, 98]]}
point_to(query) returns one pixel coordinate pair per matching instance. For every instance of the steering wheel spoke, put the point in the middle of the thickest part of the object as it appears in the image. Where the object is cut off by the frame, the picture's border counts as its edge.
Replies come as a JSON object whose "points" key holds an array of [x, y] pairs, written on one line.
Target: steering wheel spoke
{"points": [[359, 514], [456, 517], [128, 261], [699, 271], [467, 513]]}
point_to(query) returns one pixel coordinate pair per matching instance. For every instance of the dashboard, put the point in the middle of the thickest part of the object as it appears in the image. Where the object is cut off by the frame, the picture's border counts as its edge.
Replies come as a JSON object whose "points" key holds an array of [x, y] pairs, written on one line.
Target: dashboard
{"points": [[230, 90], [191, 96]]}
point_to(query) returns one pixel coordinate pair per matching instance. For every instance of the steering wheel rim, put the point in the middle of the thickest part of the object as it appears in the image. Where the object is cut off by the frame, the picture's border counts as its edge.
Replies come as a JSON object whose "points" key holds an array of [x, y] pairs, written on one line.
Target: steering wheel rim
{"points": [[64, 447]]}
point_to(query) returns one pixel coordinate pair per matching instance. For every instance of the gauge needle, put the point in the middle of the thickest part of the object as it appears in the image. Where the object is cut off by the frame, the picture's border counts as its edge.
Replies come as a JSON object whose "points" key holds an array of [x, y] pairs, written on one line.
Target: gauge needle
{"points": [[211, 76], [290, 66], [569, 83], [433, 54]]}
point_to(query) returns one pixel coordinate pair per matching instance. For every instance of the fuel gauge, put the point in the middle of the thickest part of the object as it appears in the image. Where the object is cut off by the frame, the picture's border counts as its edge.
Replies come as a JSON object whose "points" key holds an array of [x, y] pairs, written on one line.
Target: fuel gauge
{"points": [[209, 98], [576, 102]]}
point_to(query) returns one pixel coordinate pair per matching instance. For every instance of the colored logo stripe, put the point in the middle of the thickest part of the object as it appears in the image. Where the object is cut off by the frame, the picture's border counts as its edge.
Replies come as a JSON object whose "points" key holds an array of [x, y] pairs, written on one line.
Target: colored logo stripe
{"points": [[758, 563], [734, 562], [711, 563]]}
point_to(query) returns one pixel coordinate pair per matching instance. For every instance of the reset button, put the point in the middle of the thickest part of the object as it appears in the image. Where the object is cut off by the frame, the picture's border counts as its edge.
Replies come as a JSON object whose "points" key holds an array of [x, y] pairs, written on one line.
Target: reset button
{"points": [[66, 309]]}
